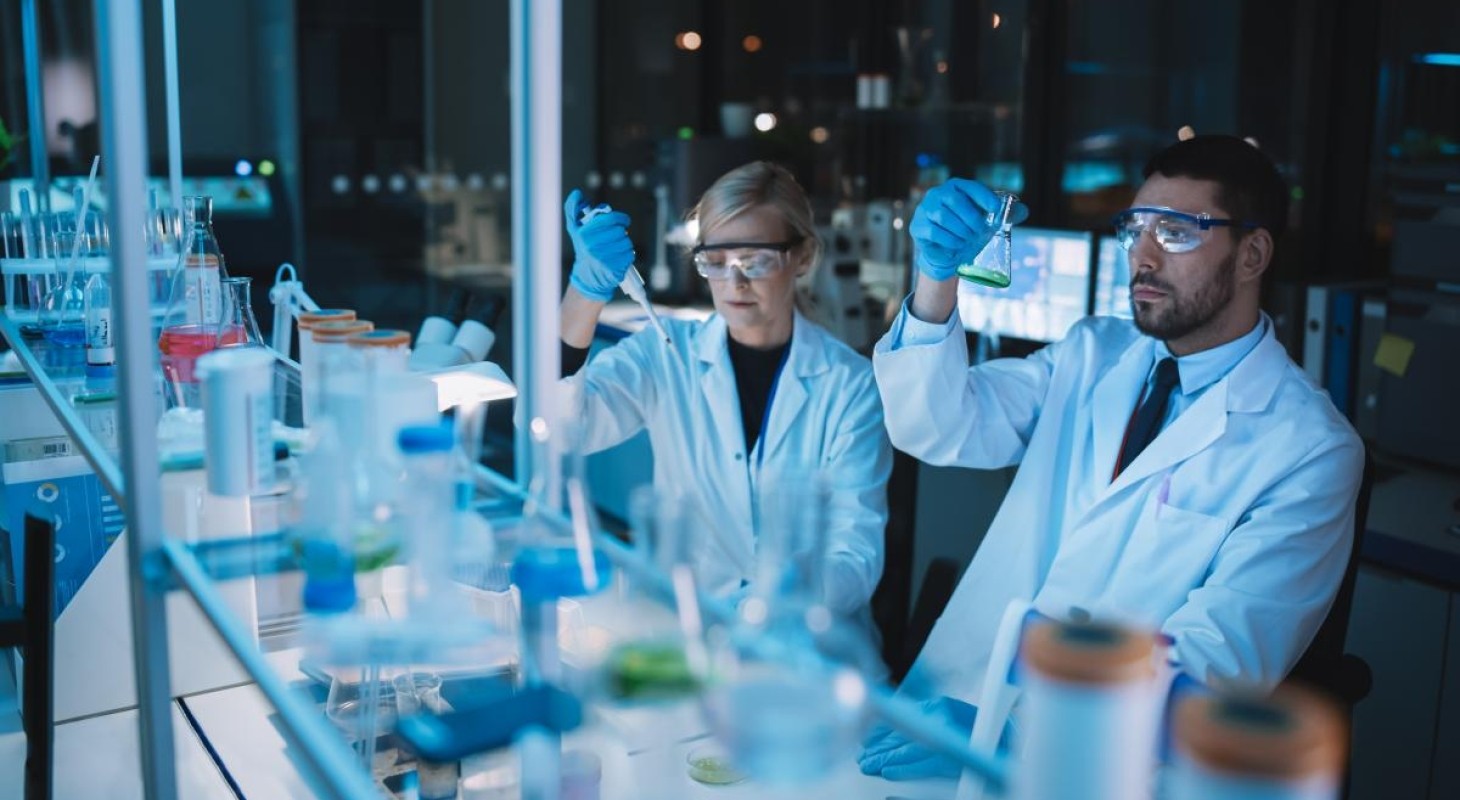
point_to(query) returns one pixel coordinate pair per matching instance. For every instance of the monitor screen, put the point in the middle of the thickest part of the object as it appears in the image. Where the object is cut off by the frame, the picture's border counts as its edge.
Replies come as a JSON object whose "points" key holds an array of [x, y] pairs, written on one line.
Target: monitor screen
{"points": [[1112, 280], [1047, 294]]}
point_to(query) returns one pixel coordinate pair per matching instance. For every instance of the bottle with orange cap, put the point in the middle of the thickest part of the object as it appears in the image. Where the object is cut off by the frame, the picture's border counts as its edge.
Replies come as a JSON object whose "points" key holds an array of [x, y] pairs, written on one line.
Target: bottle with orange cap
{"points": [[1288, 746], [308, 358], [329, 357], [1091, 713]]}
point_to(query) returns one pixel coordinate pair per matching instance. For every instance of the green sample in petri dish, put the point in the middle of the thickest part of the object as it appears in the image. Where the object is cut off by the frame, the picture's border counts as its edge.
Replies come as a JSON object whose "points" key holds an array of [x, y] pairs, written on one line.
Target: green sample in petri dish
{"points": [[709, 765], [650, 671]]}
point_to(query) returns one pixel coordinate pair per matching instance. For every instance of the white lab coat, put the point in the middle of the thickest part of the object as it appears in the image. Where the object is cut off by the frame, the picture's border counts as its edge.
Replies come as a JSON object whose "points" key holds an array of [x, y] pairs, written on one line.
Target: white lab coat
{"points": [[1229, 533], [825, 418]]}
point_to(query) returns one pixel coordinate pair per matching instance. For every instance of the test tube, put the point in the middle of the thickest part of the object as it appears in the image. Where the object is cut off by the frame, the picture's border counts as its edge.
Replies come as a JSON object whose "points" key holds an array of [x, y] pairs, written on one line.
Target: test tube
{"points": [[993, 266], [7, 229], [27, 236]]}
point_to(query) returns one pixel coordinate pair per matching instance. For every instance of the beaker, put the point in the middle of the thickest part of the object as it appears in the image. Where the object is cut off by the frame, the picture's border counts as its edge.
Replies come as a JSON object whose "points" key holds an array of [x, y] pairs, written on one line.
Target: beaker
{"points": [[661, 656], [238, 327], [993, 266], [63, 310]]}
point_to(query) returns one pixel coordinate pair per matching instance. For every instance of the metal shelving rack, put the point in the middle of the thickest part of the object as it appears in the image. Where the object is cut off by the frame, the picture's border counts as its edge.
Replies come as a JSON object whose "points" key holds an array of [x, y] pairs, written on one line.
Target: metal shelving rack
{"points": [[159, 564]]}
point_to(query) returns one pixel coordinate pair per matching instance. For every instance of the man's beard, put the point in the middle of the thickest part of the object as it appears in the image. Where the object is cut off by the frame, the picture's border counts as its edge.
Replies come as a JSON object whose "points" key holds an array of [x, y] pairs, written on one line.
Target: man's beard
{"points": [[1184, 315]]}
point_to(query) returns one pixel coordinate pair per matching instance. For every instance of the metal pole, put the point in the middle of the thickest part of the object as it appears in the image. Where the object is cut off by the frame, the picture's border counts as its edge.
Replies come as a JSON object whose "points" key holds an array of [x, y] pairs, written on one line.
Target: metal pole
{"points": [[537, 148], [35, 104], [174, 108], [318, 744], [124, 143]]}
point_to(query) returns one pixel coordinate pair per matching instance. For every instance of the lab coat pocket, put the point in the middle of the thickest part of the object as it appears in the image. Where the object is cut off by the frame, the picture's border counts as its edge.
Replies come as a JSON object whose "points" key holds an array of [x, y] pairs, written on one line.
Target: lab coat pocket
{"points": [[1166, 557]]}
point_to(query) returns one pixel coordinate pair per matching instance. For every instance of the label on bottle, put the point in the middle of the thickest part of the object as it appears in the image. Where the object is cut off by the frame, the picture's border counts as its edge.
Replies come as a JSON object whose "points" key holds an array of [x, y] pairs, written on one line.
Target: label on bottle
{"points": [[204, 290], [260, 424], [99, 348]]}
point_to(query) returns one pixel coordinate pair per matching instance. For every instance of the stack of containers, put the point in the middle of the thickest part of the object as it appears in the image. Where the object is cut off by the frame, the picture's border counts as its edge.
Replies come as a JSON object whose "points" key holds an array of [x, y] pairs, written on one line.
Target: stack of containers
{"points": [[308, 355]]}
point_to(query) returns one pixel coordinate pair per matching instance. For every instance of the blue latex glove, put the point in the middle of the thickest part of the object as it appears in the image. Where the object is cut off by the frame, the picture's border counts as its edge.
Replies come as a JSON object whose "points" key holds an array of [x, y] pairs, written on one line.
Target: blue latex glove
{"points": [[602, 252], [895, 757], [951, 226]]}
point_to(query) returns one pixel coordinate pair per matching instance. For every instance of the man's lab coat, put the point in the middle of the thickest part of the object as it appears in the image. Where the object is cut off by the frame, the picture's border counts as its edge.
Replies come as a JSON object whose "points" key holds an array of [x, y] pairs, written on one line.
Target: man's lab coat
{"points": [[1229, 533]]}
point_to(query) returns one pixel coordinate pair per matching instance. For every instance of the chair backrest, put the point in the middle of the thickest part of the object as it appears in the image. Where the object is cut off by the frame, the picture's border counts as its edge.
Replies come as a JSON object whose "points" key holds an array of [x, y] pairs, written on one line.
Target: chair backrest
{"points": [[893, 598], [1321, 665]]}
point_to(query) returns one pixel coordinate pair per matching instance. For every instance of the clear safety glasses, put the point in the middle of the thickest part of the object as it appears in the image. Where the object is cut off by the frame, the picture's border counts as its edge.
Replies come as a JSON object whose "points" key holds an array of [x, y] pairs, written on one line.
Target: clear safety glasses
{"points": [[1175, 231], [755, 260]]}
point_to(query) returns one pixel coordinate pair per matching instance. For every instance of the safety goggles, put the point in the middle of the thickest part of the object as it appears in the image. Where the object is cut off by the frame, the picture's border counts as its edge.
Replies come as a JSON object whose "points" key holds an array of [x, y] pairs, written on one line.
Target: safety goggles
{"points": [[1175, 231], [755, 260]]}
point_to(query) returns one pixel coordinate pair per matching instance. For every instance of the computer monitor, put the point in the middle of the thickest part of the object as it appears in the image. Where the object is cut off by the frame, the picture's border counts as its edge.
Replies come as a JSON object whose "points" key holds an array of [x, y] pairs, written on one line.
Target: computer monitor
{"points": [[1112, 280], [1047, 294]]}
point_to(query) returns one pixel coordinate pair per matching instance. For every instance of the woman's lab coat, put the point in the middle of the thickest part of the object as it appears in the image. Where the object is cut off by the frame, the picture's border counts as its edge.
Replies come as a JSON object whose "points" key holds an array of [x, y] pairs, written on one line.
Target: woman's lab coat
{"points": [[824, 418], [1229, 533]]}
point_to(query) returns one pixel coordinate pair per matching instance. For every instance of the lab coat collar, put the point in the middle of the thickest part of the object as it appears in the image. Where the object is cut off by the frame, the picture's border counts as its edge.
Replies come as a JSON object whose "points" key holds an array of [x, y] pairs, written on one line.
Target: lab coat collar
{"points": [[808, 346], [807, 358], [1249, 387]]}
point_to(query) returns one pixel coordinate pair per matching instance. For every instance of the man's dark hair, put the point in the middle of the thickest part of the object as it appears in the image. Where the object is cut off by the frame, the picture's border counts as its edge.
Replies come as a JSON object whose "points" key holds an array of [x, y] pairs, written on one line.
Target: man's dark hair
{"points": [[1248, 184]]}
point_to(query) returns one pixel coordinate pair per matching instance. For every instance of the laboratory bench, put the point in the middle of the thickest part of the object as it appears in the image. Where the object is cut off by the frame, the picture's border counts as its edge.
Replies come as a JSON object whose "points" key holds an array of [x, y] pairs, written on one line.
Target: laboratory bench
{"points": [[248, 713]]}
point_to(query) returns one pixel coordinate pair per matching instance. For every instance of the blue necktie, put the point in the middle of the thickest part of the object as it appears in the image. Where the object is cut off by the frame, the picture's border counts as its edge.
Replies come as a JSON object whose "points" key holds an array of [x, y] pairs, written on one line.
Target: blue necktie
{"points": [[1147, 420]]}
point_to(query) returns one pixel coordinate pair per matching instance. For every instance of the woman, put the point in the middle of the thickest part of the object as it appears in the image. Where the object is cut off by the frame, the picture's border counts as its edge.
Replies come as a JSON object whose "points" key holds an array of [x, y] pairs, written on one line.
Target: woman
{"points": [[755, 397]]}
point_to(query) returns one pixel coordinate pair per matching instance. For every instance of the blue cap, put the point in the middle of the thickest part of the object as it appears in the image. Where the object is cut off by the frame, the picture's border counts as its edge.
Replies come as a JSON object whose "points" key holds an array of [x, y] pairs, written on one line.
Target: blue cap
{"points": [[546, 573], [426, 439]]}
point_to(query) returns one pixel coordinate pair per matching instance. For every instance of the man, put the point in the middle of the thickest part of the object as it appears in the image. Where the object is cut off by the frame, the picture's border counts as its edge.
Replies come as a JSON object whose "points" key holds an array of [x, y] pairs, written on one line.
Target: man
{"points": [[1176, 472]]}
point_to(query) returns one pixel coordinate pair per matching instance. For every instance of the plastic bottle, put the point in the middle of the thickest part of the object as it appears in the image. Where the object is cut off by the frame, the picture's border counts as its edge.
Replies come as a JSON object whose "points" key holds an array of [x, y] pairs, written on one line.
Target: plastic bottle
{"points": [[429, 520], [1290, 746], [101, 355], [1090, 714]]}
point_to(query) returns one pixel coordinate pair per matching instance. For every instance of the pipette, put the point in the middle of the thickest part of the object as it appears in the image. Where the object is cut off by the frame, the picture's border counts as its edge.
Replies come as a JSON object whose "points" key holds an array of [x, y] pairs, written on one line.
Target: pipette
{"points": [[633, 282]]}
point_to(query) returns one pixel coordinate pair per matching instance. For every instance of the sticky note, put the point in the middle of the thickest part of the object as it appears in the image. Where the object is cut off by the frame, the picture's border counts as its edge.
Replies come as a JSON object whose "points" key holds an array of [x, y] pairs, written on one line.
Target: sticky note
{"points": [[1393, 354]]}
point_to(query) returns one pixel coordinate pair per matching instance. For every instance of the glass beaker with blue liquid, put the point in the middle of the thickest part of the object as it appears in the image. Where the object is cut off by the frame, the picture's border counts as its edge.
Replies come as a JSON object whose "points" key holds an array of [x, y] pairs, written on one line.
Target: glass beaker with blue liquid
{"points": [[63, 309], [993, 266]]}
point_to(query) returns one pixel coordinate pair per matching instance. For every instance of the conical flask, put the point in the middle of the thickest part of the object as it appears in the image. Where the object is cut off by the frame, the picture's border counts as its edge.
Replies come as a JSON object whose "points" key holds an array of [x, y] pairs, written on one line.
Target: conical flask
{"points": [[195, 304], [237, 326]]}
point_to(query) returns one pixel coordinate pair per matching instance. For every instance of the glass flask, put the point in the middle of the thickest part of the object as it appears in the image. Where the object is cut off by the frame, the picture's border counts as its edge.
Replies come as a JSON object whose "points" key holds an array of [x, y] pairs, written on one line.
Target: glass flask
{"points": [[788, 698], [660, 654], [63, 308], [195, 304], [237, 326], [993, 266]]}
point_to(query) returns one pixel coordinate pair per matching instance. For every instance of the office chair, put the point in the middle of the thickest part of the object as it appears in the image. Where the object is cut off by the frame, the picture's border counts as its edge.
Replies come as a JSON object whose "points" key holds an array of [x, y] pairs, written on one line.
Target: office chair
{"points": [[29, 626], [894, 591]]}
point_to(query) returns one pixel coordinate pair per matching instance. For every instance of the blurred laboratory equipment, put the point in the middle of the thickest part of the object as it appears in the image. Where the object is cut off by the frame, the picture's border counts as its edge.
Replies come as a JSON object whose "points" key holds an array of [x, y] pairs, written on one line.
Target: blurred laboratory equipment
{"points": [[661, 656], [289, 300], [238, 435], [1090, 715], [993, 266], [437, 329], [329, 347], [237, 326], [1289, 746], [195, 304], [789, 694], [444, 343], [63, 311], [308, 357], [101, 355]]}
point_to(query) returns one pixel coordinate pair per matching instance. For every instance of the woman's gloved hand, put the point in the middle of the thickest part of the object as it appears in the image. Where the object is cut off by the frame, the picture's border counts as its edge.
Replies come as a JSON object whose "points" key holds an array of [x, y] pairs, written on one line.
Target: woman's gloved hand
{"points": [[951, 226], [895, 757], [602, 252]]}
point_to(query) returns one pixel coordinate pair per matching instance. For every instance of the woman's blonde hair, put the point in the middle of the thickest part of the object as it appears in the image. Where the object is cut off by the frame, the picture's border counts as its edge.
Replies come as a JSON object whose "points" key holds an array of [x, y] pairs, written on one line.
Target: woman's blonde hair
{"points": [[762, 183]]}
